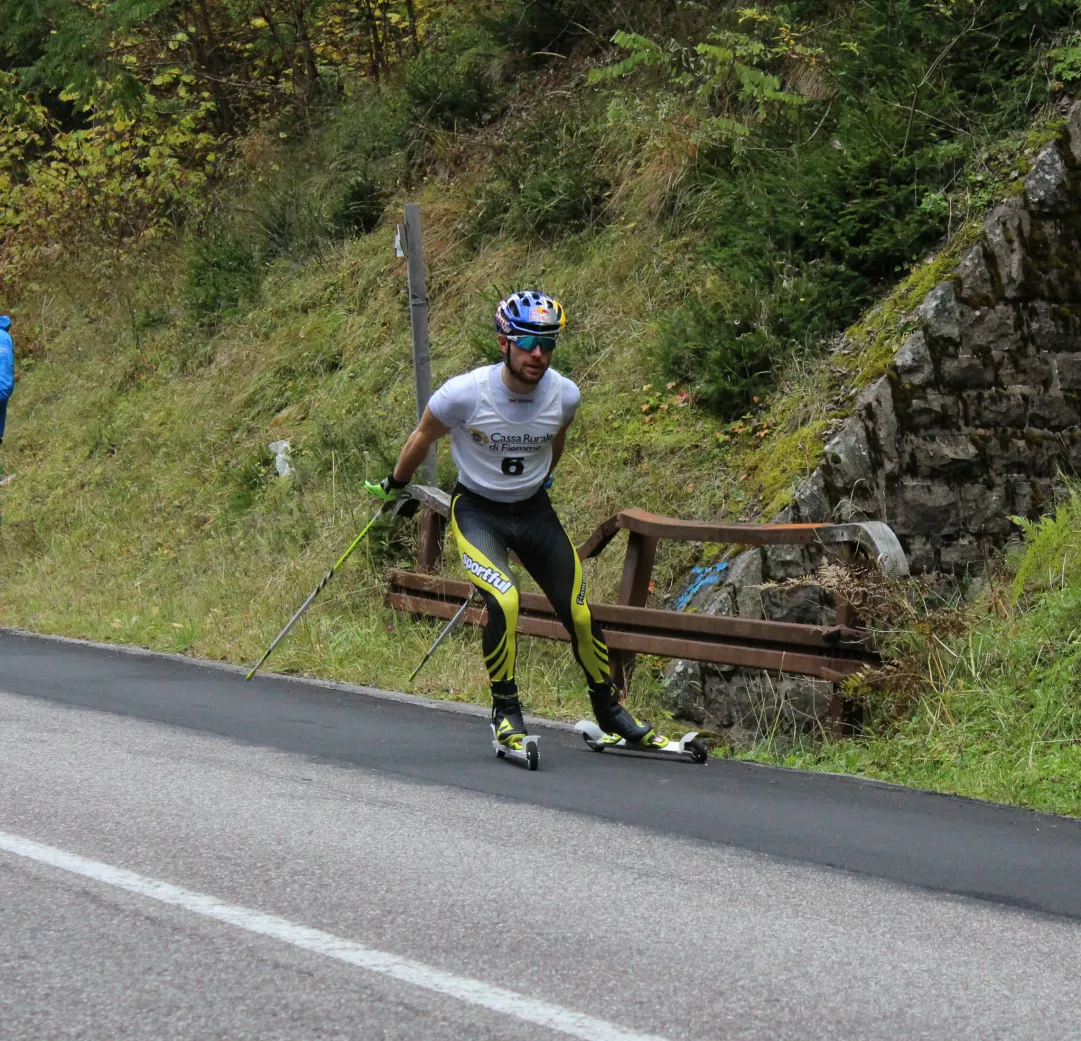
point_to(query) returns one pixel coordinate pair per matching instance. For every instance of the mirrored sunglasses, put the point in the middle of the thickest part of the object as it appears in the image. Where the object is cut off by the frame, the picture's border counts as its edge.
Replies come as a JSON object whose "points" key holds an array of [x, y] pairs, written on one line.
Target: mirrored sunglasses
{"points": [[547, 344]]}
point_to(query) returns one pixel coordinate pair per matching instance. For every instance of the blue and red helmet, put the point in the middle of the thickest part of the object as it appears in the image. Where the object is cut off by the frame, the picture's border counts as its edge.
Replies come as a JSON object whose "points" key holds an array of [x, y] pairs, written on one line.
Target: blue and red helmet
{"points": [[529, 313]]}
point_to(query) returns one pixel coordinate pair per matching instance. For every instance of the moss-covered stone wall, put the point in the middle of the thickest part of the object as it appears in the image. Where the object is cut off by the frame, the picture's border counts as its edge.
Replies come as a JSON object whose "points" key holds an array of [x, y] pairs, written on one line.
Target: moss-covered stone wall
{"points": [[977, 419]]}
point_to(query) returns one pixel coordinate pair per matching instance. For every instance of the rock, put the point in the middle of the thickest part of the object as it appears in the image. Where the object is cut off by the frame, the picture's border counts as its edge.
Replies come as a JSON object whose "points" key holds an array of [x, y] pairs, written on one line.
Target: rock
{"points": [[1073, 125], [1052, 412], [996, 408], [948, 456], [806, 605], [933, 413], [745, 584], [848, 457], [961, 557], [977, 289], [282, 463], [1030, 498], [984, 510], [1005, 233], [855, 511], [749, 702], [1068, 371], [991, 328], [967, 372], [1049, 328], [938, 312], [746, 569], [1029, 456], [784, 562], [875, 405], [749, 602], [1047, 185], [912, 362], [721, 601], [684, 690], [919, 553], [812, 500], [923, 507], [1025, 369]]}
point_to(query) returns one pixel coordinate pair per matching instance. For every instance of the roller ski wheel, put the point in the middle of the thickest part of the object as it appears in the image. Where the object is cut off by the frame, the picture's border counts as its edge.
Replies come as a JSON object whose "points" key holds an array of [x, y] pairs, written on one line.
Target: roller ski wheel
{"points": [[688, 746], [521, 749]]}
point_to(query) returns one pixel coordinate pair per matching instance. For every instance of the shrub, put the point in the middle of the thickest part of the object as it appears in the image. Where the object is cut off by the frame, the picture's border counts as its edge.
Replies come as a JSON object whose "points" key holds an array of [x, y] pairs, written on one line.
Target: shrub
{"points": [[358, 208], [450, 84], [548, 183], [815, 206], [291, 216], [553, 200], [721, 344], [1052, 554], [536, 28], [222, 272], [368, 131]]}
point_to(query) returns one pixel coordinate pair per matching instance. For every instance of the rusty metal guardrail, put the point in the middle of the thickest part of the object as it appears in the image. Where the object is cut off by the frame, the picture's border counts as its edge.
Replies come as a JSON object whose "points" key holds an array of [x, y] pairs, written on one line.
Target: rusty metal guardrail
{"points": [[630, 628], [826, 652]]}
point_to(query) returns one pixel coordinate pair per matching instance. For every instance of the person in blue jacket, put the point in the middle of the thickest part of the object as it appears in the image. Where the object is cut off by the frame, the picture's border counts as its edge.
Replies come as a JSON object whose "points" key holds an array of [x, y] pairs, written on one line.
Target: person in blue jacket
{"points": [[7, 370]]}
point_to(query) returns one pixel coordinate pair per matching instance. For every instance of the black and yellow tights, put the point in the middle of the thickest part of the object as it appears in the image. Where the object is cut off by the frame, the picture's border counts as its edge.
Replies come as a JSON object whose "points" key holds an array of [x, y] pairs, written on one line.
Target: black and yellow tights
{"points": [[487, 532]]}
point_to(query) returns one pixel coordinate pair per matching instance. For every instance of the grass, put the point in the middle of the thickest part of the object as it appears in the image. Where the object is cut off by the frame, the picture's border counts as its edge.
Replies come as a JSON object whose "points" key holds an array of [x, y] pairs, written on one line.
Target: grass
{"points": [[145, 508], [981, 697], [996, 716]]}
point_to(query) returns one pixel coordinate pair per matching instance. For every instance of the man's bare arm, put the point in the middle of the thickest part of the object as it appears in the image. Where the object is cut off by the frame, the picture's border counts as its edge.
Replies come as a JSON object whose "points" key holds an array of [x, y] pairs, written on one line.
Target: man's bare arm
{"points": [[557, 445], [428, 431]]}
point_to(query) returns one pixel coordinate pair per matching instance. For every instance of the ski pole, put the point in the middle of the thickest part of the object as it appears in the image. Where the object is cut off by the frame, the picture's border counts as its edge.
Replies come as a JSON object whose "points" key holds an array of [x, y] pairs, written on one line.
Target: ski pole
{"points": [[318, 589], [443, 635]]}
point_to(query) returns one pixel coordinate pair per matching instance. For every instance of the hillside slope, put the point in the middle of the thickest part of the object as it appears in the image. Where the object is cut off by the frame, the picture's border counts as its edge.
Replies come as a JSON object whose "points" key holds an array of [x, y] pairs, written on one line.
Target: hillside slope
{"points": [[143, 505]]}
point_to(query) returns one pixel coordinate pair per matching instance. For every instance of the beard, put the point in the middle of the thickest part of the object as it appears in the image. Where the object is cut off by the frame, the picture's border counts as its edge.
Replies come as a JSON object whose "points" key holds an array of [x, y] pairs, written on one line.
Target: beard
{"points": [[518, 374]]}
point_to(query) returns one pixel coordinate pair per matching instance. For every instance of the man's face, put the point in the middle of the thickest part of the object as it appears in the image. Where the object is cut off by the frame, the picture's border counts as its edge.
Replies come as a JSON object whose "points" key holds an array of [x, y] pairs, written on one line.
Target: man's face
{"points": [[528, 365]]}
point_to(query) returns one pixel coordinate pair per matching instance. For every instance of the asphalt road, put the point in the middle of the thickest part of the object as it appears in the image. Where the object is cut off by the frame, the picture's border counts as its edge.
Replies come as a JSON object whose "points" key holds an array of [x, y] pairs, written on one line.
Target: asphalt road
{"points": [[186, 855]]}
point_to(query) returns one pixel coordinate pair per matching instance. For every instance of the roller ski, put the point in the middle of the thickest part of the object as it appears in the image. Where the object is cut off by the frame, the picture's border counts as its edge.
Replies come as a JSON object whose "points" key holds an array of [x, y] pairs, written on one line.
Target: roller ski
{"points": [[618, 729], [509, 737]]}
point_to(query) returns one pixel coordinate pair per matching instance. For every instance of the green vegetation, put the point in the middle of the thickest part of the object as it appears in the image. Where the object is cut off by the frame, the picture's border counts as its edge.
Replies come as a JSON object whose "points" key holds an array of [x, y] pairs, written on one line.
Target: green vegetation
{"points": [[984, 702], [145, 509], [810, 199], [195, 245]]}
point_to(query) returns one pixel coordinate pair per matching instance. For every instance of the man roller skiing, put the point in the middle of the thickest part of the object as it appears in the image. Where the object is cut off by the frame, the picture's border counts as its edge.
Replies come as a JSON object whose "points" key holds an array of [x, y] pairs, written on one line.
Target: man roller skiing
{"points": [[508, 424]]}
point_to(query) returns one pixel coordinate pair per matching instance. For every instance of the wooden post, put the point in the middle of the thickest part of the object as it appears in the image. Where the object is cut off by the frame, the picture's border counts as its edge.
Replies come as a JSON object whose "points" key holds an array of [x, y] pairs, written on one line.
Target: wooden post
{"points": [[844, 713], [410, 241], [633, 591], [433, 529]]}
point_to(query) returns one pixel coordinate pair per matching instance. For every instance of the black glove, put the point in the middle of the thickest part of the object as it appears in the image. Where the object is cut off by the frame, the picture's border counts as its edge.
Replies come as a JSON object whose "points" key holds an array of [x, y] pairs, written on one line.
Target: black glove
{"points": [[388, 489]]}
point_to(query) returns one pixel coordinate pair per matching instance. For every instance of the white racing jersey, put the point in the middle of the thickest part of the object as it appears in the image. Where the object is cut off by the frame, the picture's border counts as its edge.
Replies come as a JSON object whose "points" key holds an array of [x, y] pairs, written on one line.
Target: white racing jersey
{"points": [[501, 442]]}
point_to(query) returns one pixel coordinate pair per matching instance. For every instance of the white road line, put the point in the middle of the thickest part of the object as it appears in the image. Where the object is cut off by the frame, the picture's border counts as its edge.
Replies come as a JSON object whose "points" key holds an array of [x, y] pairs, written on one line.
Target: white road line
{"points": [[474, 992]]}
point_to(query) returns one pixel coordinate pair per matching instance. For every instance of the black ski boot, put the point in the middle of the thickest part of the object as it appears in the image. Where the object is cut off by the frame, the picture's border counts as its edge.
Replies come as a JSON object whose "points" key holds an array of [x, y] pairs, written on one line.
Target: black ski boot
{"points": [[613, 718], [507, 720]]}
